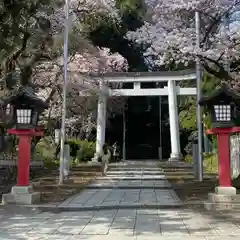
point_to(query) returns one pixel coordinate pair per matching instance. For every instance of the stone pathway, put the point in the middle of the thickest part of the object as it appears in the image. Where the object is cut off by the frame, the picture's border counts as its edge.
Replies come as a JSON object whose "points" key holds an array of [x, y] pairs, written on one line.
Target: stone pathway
{"points": [[126, 219], [131, 224], [127, 185]]}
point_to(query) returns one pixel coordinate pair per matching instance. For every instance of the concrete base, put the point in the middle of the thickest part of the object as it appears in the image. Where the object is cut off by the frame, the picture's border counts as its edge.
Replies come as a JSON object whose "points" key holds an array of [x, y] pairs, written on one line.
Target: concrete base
{"points": [[95, 158], [224, 198], [217, 198], [175, 157], [228, 191], [221, 206], [21, 195]]}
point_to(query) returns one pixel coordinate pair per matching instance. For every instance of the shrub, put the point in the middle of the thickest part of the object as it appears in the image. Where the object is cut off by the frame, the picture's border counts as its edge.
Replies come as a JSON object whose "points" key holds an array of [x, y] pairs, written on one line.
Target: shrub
{"points": [[86, 151], [80, 150], [188, 159], [45, 151], [74, 147], [210, 162]]}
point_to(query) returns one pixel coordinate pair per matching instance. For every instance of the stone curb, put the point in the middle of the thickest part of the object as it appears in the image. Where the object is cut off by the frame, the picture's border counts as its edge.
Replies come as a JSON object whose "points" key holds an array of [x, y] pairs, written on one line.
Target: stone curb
{"points": [[166, 167], [132, 174], [129, 178], [54, 208], [128, 187]]}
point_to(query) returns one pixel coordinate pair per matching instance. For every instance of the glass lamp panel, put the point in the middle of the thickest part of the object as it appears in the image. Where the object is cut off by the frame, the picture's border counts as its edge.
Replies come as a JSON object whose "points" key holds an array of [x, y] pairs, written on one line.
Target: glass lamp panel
{"points": [[222, 112], [24, 116], [19, 116], [28, 116]]}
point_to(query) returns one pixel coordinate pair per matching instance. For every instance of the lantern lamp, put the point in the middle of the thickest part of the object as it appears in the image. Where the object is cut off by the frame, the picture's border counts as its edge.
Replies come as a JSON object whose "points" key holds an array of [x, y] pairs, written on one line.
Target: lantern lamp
{"points": [[222, 104], [27, 107]]}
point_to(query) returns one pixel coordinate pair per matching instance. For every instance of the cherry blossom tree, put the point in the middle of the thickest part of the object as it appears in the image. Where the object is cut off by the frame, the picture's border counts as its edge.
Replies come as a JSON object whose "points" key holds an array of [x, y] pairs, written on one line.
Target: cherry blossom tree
{"points": [[169, 38], [83, 90], [84, 58], [38, 61]]}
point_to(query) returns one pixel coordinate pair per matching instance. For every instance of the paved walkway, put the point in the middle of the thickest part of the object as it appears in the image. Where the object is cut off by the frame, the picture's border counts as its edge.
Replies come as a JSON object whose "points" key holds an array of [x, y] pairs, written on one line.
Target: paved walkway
{"points": [[127, 185], [131, 185]]}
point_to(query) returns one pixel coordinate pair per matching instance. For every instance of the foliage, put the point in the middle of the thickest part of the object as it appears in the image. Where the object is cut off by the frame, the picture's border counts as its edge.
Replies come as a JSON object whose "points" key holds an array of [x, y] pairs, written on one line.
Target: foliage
{"points": [[210, 162], [34, 57], [188, 147], [26, 37], [132, 13], [170, 36], [81, 150], [188, 159], [107, 30], [187, 115], [187, 111], [45, 151], [86, 151], [74, 147]]}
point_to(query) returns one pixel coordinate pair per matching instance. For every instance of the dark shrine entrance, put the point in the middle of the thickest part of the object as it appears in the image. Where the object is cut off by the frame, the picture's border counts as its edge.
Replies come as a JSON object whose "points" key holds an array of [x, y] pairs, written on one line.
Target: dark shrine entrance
{"points": [[142, 125], [142, 128]]}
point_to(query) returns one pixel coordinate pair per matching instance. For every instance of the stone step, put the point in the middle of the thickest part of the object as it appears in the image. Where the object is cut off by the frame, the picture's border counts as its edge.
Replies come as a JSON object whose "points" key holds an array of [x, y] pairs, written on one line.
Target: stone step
{"points": [[176, 166], [78, 208], [125, 165], [221, 206], [116, 168], [218, 198], [124, 173], [84, 169], [127, 187], [129, 178], [120, 177], [179, 173]]}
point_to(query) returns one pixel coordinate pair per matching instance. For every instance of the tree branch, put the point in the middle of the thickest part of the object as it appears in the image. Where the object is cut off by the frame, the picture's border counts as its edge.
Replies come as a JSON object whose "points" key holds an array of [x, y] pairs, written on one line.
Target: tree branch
{"points": [[221, 73]]}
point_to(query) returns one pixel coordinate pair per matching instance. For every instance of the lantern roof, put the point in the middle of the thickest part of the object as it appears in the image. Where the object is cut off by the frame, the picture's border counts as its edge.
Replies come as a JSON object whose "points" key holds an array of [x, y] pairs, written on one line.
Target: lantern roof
{"points": [[26, 95], [222, 93]]}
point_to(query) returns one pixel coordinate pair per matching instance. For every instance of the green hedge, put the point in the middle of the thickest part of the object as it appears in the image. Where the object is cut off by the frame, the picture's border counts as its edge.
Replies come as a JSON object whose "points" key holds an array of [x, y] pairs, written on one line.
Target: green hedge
{"points": [[210, 162], [82, 150], [45, 151]]}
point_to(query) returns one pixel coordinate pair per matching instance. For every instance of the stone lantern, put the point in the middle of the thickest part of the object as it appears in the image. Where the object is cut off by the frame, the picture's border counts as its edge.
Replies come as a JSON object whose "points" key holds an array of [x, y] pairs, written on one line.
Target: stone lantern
{"points": [[223, 106], [24, 107]]}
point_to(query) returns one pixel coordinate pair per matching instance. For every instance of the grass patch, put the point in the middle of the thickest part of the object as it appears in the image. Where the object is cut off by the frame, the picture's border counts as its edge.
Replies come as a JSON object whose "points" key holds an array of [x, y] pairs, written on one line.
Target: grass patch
{"points": [[80, 177], [183, 181]]}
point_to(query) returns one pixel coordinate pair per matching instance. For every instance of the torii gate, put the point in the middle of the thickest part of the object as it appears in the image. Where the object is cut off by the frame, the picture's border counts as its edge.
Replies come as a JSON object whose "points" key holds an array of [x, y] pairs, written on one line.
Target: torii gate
{"points": [[172, 91]]}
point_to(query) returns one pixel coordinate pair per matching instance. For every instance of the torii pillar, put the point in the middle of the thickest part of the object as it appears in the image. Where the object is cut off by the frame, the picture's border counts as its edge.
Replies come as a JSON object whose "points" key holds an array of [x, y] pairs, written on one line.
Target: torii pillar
{"points": [[101, 124], [174, 122]]}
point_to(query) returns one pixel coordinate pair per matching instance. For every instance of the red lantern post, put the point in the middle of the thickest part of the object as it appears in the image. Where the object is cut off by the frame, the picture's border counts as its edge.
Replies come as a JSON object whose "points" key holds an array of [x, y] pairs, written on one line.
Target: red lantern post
{"points": [[24, 153], [224, 168]]}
